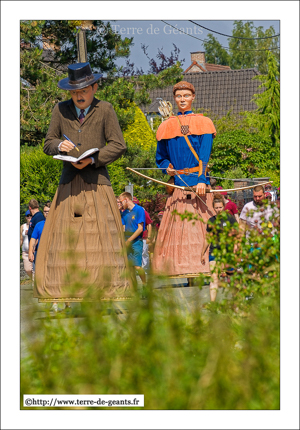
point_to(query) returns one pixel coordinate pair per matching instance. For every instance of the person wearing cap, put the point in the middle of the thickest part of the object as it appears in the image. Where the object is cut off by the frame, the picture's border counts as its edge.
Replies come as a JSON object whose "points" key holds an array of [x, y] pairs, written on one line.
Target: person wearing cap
{"points": [[84, 222], [268, 189], [268, 197], [184, 144], [230, 206], [25, 244]]}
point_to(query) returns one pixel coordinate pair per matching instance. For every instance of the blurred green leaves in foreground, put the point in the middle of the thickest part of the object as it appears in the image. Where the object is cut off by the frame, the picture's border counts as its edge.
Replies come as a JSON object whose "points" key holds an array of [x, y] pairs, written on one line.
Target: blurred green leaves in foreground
{"points": [[223, 355]]}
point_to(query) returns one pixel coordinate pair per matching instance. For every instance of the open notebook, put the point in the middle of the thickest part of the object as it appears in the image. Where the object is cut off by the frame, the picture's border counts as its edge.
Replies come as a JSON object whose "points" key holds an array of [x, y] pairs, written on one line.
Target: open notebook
{"points": [[74, 159]]}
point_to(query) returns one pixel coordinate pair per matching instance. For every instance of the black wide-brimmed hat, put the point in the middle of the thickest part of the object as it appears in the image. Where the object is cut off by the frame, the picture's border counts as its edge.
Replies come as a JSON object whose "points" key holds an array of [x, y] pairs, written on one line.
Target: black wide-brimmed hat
{"points": [[80, 76]]}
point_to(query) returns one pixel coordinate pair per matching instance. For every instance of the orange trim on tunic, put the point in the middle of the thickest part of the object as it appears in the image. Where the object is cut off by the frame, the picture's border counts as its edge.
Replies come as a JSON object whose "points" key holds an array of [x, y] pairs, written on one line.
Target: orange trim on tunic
{"points": [[198, 124]]}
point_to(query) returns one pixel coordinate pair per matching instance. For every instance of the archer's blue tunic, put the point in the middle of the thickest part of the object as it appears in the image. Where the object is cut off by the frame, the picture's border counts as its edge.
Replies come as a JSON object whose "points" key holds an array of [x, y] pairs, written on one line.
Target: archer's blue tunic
{"points": [[177, 152]]}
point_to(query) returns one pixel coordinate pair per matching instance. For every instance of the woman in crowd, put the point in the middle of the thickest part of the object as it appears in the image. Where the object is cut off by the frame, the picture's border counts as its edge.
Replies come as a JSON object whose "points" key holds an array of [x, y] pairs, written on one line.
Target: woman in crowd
{"points": [[219, 206]]}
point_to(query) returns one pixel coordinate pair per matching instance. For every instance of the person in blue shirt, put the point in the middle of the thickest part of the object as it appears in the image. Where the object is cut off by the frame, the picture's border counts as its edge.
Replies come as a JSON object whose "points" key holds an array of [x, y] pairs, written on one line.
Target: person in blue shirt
{"points": [[184, 144], [34, 244], [36, 237], [134, 222], [36, 214]]}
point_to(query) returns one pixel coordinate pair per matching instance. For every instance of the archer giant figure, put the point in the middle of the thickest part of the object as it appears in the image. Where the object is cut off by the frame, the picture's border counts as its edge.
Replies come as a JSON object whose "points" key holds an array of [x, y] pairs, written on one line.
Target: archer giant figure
{"points": [[184, 144]]}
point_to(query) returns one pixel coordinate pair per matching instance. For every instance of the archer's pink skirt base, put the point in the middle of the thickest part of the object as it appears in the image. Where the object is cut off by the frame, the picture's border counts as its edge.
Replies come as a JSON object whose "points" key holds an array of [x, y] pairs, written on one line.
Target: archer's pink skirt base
{"points": [[179, 243]]}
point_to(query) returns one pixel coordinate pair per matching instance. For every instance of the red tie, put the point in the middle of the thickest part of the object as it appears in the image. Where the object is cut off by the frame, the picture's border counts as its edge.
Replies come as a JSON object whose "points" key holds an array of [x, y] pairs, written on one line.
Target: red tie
{"points": [[81, 116]]}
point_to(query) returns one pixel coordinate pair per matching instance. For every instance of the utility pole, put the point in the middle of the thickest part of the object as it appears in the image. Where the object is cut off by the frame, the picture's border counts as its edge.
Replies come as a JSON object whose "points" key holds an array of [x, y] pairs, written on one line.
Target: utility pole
{"points": [[81, 41], [81, 47], [129, 188]]}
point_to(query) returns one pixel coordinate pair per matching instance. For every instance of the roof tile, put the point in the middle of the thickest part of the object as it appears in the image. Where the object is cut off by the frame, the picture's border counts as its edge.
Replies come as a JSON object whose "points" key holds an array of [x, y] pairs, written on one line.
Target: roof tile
{"points": [[219, 91]]}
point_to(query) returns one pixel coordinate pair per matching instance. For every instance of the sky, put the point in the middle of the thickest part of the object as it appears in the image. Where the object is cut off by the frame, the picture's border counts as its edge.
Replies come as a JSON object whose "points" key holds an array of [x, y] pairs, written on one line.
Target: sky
{"points": [[158, 35], [210, 12]]}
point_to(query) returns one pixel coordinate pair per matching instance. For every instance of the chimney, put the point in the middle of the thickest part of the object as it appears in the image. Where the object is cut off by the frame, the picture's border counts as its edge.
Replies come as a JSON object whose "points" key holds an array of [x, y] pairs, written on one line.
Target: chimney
{"points": [[198, 56]]}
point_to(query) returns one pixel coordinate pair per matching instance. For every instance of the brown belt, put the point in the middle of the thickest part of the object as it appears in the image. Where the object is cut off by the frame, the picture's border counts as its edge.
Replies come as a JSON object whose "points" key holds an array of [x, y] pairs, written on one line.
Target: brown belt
{"points": [[188, 170]]}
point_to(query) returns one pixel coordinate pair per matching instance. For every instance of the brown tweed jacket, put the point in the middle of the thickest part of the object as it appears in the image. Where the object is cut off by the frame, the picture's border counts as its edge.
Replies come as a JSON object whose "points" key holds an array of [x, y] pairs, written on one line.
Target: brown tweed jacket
{"points": [[100, 129]]}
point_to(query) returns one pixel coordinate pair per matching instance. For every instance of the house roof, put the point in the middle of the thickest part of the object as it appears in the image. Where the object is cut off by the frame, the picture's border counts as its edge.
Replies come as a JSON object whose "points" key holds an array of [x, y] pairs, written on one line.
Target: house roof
{"points": [[205, 67], [216, 91]]}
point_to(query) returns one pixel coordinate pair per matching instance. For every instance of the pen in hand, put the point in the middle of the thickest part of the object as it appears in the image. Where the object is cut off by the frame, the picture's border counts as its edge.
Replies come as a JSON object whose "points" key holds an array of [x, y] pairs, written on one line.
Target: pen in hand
{"points": [[66, 137]]}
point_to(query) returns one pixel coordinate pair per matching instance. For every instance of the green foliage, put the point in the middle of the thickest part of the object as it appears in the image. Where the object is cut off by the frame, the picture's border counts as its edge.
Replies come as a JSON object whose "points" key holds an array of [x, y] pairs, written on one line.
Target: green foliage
{"points": [[241, 56], [243, 53], [120, 93], [214, 53], [134, 157], [235, 173], [139, 133], [117, 174], [273, 174], [229, 122], [266, 44], [224, 356], [39, 175], [267, 116], [252, 152]]}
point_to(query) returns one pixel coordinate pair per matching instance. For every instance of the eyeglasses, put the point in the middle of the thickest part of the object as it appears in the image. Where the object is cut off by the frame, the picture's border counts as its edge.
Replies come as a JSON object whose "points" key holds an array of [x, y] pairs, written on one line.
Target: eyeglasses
{"points": [[28, 216], [46, 212], [185, 96]]}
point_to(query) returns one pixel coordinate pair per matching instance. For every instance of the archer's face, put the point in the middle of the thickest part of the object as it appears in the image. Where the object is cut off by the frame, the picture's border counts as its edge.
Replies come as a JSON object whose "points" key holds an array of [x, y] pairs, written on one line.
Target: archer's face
{"points": [[84, 97], [184, 100]]}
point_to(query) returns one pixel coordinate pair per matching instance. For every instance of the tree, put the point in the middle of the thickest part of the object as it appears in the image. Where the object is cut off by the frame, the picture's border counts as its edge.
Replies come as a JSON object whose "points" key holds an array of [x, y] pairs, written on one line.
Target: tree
{"points": [[241, 56], [245, 53], [267, 116], [247, 49], [252, 152], [164, 61], [261, 57], [214, 53]]}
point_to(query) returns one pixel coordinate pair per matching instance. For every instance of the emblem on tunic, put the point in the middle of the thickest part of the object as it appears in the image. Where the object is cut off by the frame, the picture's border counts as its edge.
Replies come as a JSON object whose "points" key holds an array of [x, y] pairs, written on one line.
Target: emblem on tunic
{"points": [[185, 129]]}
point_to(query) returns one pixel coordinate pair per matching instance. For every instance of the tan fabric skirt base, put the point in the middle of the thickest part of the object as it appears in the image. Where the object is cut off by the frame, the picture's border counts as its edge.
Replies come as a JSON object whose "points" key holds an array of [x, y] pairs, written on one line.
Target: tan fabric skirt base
{"points": [[82, 248], [179, 243]]}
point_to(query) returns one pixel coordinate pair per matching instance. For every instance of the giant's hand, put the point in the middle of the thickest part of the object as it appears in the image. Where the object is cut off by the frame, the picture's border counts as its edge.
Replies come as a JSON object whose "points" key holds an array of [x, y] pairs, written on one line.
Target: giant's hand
{"points": [[200, 189], [170, 171], [66, 146], [83, 163]]}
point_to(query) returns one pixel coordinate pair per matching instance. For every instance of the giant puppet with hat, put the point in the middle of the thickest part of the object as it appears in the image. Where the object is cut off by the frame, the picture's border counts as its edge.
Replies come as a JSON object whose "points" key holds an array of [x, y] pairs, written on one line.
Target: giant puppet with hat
{"points": [[184, 144], [82, 238]]}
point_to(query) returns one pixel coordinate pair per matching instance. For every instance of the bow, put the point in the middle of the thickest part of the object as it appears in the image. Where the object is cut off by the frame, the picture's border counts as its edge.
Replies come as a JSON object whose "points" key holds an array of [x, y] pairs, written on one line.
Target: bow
{"points": [[188, 189]]}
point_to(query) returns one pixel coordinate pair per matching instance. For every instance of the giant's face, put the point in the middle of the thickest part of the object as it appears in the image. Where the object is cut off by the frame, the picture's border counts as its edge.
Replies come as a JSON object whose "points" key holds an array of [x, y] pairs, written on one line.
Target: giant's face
{"points": [[84, 97], [184, 100]]}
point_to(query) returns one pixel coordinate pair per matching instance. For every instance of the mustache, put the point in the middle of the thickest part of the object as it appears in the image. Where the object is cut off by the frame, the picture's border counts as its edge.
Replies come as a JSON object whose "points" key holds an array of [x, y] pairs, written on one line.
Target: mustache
{"points": [[81, 100]]}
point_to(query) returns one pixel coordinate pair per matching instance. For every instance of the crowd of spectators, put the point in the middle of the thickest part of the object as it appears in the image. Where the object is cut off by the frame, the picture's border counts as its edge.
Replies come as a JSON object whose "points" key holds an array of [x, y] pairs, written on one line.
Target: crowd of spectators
{"points": [[263, 208], [140, 231]]}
